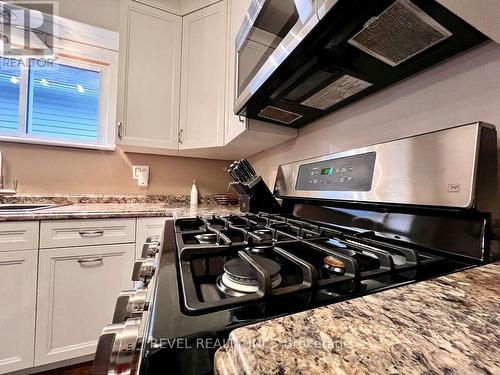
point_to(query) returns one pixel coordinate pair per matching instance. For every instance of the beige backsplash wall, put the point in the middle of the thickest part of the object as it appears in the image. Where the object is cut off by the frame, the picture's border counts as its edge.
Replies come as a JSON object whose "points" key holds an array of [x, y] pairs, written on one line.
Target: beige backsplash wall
{"points": [[43, 169], [49, 170], [463, 90]]}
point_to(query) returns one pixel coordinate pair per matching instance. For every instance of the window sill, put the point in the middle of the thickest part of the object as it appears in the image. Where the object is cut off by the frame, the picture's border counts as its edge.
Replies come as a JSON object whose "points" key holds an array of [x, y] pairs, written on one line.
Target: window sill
{"points": [[46, 142]]}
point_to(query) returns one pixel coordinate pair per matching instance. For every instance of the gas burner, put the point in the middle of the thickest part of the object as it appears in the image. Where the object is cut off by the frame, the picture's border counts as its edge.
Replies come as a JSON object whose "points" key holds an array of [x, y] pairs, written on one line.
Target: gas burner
{"points": [[206, 238], [334, 265], [263, 250], [264, 233], [240, 278]]}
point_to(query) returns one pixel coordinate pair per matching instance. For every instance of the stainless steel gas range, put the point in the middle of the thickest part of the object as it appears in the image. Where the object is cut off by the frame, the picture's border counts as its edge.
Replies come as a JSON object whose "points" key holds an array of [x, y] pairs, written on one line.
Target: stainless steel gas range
{"points": [[349, 224]]}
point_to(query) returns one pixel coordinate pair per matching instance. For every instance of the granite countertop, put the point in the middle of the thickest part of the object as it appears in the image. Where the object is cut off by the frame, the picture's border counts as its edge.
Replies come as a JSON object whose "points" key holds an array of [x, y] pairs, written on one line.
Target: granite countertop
{"points": [[100, 207], [447, 325]]}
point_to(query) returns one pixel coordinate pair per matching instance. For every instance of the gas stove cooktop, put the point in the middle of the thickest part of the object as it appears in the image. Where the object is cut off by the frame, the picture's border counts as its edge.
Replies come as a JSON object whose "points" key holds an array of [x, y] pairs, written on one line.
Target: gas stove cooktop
{"points": [[232, 261]]}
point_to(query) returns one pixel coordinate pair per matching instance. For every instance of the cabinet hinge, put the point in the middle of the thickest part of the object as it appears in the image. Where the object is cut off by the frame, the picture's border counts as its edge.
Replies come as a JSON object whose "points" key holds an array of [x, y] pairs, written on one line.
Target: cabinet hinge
{"points": [[120, 129], [180, 136]]}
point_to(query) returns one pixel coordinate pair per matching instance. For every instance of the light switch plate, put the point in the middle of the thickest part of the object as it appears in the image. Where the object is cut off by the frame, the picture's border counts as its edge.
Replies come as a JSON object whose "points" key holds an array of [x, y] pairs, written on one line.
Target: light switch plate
{"points": [[138, 170]]}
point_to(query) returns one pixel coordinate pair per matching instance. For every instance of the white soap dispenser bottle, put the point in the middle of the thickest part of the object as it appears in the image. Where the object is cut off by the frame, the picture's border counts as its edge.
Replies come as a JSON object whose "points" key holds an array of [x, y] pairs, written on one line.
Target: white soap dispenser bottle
{"points": [[194, 194]]}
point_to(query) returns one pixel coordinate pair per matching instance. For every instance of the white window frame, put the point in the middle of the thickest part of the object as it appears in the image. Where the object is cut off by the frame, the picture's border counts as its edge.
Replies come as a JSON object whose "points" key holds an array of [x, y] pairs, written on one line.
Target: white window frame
{"points": [[85, 56]]}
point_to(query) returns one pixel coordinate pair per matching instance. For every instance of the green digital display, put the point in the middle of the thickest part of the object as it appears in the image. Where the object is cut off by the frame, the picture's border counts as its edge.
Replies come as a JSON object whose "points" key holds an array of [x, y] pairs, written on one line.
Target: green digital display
{"points": [[327, 171]]}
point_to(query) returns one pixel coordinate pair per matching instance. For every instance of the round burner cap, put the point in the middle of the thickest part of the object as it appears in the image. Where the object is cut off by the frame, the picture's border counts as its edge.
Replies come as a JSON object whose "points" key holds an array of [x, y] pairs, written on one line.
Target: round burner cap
{"points": [[206, 238], [261, 249], [240, 270]]}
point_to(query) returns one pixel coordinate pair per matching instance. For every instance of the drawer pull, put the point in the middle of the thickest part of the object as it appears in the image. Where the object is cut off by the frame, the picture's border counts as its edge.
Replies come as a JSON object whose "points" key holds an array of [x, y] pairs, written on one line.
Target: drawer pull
{"points": [[91, 233], [89, 260]]}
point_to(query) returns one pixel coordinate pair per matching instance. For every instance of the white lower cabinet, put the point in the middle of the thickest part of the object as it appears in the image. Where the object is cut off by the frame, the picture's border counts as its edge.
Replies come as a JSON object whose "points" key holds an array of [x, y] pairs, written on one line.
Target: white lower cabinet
{"points": [[146, 227], [18, 270], [77, 290]]}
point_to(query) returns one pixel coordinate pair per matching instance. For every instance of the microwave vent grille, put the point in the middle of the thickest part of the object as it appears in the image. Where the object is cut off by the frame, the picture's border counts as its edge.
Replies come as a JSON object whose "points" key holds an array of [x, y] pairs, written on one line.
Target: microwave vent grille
{"points": [[402, 31], [278, 114], [340, 89]]}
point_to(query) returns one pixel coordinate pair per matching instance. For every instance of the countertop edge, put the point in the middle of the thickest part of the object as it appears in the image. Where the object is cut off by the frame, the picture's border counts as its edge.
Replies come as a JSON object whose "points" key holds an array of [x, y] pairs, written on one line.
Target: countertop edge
{"points": [[444, 325]]}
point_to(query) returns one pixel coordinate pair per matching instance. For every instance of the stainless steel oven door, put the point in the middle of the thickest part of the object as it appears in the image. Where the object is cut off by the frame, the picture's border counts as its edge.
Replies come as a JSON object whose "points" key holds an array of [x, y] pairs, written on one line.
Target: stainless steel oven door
{"points": [[271, 30]]}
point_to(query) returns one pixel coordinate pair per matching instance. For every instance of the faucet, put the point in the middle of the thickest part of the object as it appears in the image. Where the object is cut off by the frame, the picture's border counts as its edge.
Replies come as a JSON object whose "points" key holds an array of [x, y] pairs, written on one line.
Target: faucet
{"points": [[2, 190]]}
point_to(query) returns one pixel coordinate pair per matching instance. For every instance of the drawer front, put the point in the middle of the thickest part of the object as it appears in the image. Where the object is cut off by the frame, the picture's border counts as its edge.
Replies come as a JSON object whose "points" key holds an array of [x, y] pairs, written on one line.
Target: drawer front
{"points": [[19, 235], [69, 233]]}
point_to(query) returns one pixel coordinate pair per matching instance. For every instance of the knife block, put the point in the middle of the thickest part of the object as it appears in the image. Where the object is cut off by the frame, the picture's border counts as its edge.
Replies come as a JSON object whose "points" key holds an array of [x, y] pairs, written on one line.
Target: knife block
{"points": [[255, 196]]}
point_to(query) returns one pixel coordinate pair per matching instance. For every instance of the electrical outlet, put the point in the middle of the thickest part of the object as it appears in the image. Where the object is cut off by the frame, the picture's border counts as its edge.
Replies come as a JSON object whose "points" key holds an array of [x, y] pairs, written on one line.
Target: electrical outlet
{"points": [[137, 170]]}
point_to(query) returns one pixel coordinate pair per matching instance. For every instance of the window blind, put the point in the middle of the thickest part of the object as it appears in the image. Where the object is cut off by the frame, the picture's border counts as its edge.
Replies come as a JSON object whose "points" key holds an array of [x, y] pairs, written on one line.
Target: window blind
{"points": [[10, 82], [63, 102]]}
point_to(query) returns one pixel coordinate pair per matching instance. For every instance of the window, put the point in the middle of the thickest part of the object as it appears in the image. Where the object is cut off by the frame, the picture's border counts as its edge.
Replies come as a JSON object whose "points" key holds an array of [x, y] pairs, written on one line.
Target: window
{"points": [[10, 76], [63, 103]]}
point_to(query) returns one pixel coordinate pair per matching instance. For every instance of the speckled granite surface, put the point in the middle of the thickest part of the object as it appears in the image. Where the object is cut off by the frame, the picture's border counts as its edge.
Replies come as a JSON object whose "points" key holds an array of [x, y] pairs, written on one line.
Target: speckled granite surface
{"points": [[100, 207], [448, 325], [98, 198]]}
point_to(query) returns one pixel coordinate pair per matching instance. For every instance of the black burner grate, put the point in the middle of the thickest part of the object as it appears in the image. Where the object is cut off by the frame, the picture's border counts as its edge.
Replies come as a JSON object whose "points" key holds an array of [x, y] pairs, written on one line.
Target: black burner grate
{"points": [[300, 247]]}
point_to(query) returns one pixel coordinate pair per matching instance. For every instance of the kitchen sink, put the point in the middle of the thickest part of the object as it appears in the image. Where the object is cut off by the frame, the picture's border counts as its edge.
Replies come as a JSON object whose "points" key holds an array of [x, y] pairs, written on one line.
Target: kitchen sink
{"points": [[24, 208]]}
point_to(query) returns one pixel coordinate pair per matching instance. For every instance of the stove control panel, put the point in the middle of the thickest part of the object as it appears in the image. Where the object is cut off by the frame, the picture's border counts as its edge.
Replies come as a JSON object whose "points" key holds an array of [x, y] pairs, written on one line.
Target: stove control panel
{"points": [[349, 173]]}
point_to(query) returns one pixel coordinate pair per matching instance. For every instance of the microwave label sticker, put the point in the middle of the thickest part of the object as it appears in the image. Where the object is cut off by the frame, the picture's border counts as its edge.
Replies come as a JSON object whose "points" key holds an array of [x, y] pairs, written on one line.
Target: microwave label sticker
{"points": [[341, 89], [454, 188]]}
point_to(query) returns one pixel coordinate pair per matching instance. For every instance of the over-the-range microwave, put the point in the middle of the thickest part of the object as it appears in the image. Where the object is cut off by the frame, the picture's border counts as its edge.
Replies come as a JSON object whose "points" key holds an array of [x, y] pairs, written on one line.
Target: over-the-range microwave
{"points": [[298, 60]]}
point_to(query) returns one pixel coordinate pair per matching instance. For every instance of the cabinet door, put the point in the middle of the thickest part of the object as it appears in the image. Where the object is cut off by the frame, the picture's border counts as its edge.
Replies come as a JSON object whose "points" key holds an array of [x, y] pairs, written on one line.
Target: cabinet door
{"points": [[235, 125], [150, 56], [150, 226], [77, 291], [17, 309], [203, 77]]}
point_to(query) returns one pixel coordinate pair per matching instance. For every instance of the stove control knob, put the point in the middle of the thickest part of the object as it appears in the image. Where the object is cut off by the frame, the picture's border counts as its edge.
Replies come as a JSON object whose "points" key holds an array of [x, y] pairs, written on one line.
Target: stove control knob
{"points": [[144, 270], [117, 348], [153, 239], [130, 304], [150, 249]]}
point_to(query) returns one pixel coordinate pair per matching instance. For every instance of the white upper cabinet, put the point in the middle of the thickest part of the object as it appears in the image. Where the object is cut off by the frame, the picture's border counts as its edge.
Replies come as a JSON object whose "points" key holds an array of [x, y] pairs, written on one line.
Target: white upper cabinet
{"points": [[150, 57], [202, 82], [178, 77]]}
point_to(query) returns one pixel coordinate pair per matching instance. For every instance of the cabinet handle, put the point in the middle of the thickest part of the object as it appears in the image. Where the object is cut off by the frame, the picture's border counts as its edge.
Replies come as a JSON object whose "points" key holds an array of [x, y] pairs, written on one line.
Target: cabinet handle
{"points": [[241, 119], [91, 233], [89, 260]]}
